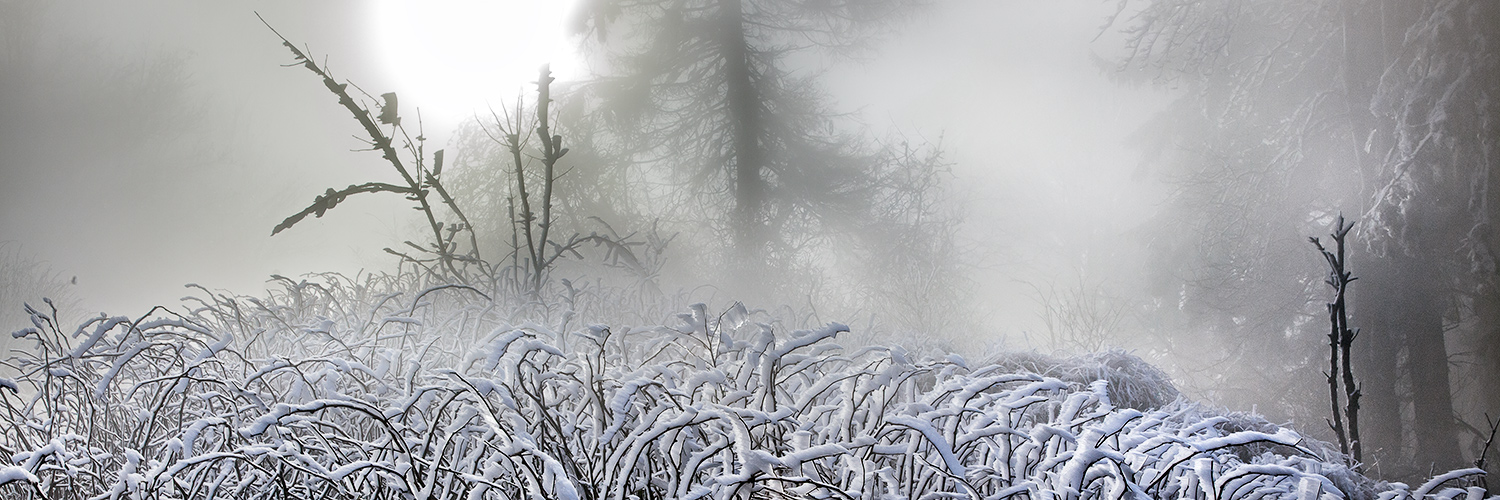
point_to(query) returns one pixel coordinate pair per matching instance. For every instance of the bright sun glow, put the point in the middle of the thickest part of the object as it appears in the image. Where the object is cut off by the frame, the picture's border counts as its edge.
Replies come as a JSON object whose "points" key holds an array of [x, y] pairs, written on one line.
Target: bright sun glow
{"points": [[457, 57]]}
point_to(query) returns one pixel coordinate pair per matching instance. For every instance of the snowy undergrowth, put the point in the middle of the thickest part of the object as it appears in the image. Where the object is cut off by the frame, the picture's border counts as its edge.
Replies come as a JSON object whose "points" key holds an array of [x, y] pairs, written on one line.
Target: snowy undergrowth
{"points": [[350, 390]]}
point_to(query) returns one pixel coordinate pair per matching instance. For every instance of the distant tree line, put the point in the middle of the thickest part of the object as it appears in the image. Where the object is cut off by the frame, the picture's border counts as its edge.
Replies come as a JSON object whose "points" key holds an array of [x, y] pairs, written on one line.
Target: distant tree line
{"points": [[1290, 112]]}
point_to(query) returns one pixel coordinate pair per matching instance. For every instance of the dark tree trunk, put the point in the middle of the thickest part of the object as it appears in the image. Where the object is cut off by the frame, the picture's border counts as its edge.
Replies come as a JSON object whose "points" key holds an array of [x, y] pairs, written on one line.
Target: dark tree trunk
{"points": [[1486, 372], [1379, 343], [1364, 51], [1400, 303], [1423, 303], [743, 105]]}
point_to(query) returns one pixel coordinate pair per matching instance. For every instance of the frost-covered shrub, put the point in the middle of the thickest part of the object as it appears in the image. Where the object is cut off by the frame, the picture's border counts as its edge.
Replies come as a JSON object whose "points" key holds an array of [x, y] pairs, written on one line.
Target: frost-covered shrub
{"points": [[352, 389], [1133, 383]]}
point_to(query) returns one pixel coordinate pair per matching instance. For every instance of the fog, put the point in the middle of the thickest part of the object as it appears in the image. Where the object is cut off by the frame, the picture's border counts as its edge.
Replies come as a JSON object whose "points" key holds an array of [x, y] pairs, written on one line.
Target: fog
{"points": [[1037, 128], [1104, 195], [184, 199], [1034, 128]]}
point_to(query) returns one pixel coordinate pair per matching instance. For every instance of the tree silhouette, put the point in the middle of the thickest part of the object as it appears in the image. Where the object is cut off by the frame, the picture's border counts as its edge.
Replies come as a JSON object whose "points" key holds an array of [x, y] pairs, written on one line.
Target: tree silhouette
{"points": [[703, 88]]}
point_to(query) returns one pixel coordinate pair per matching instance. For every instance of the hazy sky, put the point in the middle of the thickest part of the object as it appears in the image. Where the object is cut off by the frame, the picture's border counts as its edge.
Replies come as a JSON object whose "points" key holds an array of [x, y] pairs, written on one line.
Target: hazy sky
{"points": [[1035, 128]]}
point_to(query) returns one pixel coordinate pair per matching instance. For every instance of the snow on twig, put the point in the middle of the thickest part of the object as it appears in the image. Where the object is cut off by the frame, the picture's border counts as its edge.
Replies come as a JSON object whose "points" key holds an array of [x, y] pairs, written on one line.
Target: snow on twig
{"points": [[495, 410]]}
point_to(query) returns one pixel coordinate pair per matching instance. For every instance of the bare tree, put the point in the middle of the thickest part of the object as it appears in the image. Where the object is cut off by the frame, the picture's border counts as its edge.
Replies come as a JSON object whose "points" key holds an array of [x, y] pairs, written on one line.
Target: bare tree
{"points": [[1340, 339], [419, 180]]}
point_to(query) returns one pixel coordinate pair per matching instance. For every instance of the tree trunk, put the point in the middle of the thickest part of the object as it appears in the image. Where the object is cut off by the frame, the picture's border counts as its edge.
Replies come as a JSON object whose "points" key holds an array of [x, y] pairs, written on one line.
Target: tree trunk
{"points": [[1485, 376], [1376, 350], [743, 105], [1400, 306], [1424, 301], [1381, 339]]}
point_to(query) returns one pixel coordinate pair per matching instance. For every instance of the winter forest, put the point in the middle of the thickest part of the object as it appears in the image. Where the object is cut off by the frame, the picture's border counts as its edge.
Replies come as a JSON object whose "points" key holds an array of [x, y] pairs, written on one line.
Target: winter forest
{"points": [[750, 249]]}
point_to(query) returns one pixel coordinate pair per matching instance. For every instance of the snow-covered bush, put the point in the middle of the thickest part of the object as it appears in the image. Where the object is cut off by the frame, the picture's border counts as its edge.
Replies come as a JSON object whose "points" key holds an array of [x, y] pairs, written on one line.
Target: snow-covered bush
{"points": [[354, 389], [1133, 383]]}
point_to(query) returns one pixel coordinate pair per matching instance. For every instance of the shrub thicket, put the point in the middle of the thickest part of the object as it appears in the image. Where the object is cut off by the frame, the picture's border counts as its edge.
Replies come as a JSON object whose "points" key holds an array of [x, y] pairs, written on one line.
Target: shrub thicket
{"points": [[375, 389]]}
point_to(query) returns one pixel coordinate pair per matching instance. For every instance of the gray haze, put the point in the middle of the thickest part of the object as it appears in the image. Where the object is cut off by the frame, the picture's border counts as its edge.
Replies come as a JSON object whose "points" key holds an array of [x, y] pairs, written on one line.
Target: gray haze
{"points": [[152, 144], [1035, 130], [190, 198]]}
